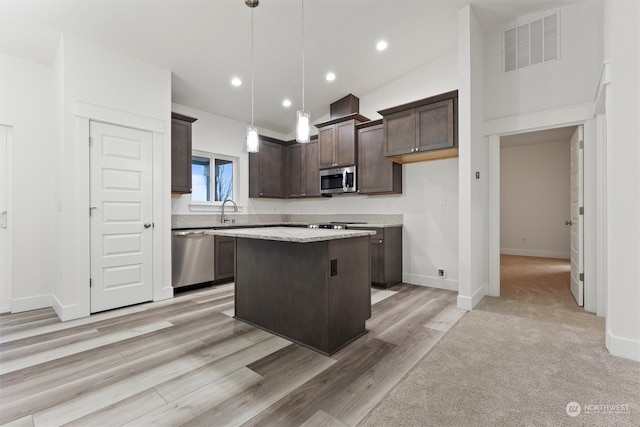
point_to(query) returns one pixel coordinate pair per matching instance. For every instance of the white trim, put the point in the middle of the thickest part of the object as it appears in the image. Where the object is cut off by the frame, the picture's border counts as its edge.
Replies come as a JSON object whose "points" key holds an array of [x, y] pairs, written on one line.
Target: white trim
{"points": [[9, 171], [468, 303], [534, 253], [118, 117], [623, 347], [162, 289], [18, 305], [601, 92], [549, 119], [430, 281], [494, 219]]}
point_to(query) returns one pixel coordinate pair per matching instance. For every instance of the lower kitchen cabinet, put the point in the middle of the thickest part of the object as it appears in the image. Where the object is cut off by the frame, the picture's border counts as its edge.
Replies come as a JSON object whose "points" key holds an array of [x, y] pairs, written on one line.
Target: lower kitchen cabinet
{"points": [[386, 256], [224, 259]]}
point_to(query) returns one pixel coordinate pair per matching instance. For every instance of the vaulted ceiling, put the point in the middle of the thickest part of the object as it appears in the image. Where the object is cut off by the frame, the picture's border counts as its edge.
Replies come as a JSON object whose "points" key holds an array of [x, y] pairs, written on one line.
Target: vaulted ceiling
{"points": [[207, 42]]}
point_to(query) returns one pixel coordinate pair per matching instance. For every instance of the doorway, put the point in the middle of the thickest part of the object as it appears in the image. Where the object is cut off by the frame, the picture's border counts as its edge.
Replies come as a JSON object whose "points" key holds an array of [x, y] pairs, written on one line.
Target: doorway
{"points": [[538, 190], [121, 216]]}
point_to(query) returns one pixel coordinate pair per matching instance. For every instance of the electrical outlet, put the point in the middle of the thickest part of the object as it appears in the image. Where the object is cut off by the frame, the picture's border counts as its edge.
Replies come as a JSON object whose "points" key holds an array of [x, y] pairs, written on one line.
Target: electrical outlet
{"points": [[442, 273], [441, 206]]}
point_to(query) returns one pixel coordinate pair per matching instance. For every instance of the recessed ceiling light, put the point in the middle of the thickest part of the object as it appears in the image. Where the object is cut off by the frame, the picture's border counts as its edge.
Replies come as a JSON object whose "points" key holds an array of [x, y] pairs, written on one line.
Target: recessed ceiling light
{"points": [[382, 45], [286, 103], [236, 81], [330, 77]]}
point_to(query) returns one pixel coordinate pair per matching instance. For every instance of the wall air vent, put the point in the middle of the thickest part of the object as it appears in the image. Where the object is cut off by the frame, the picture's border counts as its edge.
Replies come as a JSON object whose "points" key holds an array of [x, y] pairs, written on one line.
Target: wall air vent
{"points": [[532, 43]]}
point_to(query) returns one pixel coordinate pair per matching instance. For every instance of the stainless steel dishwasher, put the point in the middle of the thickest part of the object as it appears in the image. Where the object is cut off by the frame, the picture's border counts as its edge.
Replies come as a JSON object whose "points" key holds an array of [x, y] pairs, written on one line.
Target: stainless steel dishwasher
{"points": [[192, 257]]}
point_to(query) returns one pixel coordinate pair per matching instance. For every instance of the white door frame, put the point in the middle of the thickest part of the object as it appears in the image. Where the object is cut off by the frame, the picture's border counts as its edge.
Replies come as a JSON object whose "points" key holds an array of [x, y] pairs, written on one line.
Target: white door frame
{"points": [[8, 279], [162, 289], [494, 129]]}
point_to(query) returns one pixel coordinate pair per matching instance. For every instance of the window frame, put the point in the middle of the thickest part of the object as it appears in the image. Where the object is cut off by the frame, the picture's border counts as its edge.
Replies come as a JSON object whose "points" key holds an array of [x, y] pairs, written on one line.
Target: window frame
{"points": [[235, 178]]}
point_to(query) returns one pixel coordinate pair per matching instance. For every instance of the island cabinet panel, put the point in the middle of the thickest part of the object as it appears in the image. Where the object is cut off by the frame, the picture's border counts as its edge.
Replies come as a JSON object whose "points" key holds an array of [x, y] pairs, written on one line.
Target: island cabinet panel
{"points": [[316, 294], [181, 153], [376, 173], [422, 130], [224, 259], [265, 170]]}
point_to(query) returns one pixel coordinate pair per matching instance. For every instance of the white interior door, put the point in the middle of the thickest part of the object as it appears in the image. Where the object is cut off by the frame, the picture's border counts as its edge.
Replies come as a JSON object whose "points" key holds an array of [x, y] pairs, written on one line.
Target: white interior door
{"points": [[5, 287], [576, 222], [121, 195]]}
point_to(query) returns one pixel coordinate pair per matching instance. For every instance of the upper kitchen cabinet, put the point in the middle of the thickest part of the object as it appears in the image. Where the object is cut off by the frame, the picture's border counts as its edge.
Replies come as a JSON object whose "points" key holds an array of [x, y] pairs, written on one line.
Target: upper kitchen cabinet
{"points": [[376, 173], [181, 153], [302, 170], [265, 170], [422, 130], [337, 141]]}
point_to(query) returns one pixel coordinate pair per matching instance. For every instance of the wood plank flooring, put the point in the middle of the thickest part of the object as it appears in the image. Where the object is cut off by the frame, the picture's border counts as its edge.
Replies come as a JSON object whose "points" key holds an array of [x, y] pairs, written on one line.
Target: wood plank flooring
{"points": [[186, 361]]}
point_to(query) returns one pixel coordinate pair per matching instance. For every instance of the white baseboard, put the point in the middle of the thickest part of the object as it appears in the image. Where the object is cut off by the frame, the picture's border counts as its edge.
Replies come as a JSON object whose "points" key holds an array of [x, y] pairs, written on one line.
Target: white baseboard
{"points": [[18, 305], [430, 281], [69, 312], [623, 347], [534, 253], [468, 303]]}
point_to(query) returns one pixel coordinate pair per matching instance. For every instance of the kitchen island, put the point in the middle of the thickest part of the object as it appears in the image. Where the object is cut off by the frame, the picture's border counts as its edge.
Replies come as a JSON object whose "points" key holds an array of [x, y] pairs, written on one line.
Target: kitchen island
{"points": [[311, 286]]}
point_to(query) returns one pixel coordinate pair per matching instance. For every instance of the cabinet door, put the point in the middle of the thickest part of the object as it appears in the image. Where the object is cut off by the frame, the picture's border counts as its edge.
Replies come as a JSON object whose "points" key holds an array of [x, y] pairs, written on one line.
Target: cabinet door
{"points": [[435, 126], [271, 161], [376, 174], [180, 156], [345, 143], [400, 133], [224, 257], [377, 260], [326, 143], [295, 178], [312, 170]]}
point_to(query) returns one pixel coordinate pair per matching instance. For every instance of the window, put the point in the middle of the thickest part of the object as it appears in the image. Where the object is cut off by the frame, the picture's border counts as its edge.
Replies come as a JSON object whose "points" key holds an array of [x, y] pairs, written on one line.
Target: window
{"points": [[213, 177]]}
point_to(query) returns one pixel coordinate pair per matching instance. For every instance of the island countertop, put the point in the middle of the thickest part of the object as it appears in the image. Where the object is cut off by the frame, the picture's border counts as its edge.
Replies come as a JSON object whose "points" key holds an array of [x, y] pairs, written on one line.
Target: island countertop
{"points": [[291, 234]]}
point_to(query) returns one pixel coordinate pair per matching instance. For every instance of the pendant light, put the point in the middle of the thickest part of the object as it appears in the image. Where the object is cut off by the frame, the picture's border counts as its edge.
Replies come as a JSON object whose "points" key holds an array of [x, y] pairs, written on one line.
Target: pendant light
{"points": [[303, 117], [253, 143]]}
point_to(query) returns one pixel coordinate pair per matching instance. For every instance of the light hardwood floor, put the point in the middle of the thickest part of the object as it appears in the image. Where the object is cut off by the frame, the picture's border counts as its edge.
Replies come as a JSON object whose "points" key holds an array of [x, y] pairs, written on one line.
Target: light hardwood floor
{"points": [[186, 361]]}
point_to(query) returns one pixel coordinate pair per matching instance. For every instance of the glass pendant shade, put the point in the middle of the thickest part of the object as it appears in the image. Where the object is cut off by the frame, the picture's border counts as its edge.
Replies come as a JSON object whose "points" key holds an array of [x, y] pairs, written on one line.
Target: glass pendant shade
{"points": [[302, 126], [252, 139]]}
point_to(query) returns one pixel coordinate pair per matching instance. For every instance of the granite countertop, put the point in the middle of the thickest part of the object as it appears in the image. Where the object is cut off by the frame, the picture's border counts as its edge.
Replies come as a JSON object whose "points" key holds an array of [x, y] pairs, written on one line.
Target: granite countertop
{"points": [[291, 234]]}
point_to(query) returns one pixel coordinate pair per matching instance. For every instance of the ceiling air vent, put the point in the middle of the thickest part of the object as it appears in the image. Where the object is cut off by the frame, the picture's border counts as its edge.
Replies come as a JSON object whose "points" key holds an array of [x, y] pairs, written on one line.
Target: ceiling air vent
{"points": [[532, 43]]}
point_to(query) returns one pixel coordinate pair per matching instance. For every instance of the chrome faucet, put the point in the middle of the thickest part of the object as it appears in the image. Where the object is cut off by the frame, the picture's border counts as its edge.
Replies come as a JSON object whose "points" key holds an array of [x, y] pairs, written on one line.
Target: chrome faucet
{"points": [[235, 208]]}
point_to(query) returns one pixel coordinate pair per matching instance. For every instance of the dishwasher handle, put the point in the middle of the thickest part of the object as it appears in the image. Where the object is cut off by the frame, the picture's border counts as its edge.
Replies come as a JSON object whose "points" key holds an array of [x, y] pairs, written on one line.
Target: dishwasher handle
{"points": [[187, 233]]}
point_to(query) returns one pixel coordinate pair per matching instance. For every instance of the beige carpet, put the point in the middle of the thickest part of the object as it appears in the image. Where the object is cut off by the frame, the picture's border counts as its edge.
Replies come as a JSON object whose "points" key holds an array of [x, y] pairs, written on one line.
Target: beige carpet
{"points": [[519, 360]]}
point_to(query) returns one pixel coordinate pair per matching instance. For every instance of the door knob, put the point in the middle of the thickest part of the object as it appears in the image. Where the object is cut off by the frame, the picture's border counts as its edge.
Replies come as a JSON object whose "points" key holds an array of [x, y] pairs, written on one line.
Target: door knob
{"points": [[569, 222], [147, 224]]}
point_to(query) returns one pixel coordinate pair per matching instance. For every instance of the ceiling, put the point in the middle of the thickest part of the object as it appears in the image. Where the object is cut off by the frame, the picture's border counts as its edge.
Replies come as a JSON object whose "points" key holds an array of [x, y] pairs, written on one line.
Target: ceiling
{"points": [[207, 42]]}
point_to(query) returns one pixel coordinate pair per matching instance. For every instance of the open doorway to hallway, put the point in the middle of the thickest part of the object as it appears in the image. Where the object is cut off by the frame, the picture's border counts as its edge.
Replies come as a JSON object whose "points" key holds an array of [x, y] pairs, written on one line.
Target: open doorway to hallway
{"points": [[536, 231]]}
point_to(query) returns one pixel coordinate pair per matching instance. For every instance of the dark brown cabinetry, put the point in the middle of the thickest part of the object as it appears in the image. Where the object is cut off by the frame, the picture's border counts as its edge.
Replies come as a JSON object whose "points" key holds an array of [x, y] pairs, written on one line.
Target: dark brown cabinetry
{"points": [[265, 170], [224, 260], [181, 153], [337, 141], [386, 256], [302, 177], [376, 173], [422, 130]]}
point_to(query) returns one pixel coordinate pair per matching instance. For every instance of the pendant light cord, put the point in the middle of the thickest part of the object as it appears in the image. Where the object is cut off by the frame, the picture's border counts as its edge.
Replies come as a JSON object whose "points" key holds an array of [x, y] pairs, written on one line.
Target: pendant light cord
{"points": [[302, 55], [252, 67]]}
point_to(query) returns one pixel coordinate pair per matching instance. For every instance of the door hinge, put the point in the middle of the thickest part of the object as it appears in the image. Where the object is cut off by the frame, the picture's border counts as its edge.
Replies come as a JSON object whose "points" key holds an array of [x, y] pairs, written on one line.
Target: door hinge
{"points": [[582, 277], [90, 142], [581, 210], [582, 144], [90, 284]]}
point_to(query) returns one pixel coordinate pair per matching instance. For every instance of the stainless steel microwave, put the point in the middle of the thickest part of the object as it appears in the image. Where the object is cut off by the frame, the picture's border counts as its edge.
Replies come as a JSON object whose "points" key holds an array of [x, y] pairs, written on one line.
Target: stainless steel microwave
{"points": [[338, 180]]}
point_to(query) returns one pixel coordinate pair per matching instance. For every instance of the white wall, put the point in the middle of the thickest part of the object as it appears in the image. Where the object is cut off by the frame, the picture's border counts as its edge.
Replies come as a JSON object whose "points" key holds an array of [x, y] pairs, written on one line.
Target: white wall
{"points": [[125, 87], [26, 99], [474, 164], [535, 188], [571, 80], [622, 48]]}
